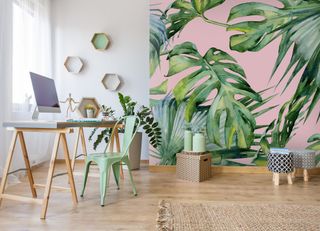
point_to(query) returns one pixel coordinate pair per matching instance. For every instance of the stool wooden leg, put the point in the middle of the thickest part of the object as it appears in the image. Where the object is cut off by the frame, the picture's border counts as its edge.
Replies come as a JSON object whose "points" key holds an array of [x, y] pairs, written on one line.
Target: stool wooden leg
{"points": [[305, 175], [276, 178], [273, 177], [289, 178], [293, 175]]}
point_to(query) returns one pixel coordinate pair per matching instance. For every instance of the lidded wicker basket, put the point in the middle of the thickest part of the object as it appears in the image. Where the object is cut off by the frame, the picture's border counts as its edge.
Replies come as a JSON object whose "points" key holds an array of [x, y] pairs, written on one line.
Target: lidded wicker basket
{"points": [[194, 168]]}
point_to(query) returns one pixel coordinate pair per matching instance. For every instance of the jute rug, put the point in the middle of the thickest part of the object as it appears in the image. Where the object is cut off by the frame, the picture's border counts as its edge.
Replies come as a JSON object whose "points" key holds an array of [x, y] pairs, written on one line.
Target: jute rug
{"points": [[240, 216]]}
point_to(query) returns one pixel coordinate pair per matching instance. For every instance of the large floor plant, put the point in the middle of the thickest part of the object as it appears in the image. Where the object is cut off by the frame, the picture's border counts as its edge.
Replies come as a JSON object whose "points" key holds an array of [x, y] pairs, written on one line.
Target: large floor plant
{"points": [[147, 122]]}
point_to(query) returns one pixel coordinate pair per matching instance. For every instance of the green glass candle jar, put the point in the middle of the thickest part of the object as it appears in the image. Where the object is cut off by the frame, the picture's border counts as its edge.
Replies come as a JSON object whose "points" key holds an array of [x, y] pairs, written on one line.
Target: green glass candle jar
{"points": [[199, 143], [187, 140]]}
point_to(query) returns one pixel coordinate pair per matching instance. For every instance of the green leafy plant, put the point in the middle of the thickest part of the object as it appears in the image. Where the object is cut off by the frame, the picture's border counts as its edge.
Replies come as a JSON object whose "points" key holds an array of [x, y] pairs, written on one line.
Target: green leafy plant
{"points": [[107, 111], [128, 106], [89, 107], [221, 74], [147, 122], [104, 135]]}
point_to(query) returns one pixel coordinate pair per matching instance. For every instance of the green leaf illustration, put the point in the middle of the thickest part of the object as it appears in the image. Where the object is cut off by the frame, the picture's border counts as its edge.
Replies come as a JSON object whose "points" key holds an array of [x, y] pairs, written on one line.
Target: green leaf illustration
{"points": [[161, 89], [297, 23], [181, 12], [158, 38], [219, 73], [316, 142]]}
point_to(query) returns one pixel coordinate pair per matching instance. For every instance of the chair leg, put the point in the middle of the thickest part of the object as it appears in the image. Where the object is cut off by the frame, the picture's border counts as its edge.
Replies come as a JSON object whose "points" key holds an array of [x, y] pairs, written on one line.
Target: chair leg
{"points": [[116, 173], [104, 178], [131, 178], [85, 175]]}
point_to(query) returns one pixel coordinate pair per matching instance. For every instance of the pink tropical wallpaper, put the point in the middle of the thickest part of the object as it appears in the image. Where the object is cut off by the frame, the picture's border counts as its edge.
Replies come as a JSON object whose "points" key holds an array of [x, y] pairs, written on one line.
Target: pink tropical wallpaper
{"points": [[247, 73]]}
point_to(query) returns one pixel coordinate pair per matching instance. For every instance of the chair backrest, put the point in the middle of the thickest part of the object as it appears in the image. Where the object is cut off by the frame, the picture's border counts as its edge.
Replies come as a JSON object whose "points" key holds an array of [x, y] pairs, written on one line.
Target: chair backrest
{"points": [[132, 124]]}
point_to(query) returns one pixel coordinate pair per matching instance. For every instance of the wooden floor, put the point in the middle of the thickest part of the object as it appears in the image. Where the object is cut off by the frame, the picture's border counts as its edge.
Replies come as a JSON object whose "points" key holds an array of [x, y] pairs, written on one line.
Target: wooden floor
{"points": [[126, 212]]}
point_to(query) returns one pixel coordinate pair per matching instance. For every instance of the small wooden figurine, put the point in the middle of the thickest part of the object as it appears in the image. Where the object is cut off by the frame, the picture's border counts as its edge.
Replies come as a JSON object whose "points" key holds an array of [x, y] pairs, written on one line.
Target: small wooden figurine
{"points": [[71, 104]]}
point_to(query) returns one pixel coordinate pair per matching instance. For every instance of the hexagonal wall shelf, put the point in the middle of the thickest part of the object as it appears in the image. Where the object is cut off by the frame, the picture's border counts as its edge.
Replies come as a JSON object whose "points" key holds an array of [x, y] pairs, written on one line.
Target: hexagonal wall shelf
{"points": [[111, 81], [85, 103], [100, 41], [73, 64]]}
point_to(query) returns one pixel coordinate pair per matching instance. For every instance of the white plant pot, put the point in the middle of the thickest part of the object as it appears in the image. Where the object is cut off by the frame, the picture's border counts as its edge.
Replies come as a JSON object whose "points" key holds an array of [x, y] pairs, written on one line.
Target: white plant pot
{"points": [[90, 113]]}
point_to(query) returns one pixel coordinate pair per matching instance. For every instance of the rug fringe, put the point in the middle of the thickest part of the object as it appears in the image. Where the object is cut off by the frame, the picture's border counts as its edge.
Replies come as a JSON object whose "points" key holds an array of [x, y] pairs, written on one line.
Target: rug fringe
{"points": [[165, 217]]}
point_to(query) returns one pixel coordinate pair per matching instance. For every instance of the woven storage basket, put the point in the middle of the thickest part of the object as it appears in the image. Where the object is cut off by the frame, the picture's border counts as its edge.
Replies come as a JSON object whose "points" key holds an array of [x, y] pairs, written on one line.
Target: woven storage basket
{"points": [[194, 168]]}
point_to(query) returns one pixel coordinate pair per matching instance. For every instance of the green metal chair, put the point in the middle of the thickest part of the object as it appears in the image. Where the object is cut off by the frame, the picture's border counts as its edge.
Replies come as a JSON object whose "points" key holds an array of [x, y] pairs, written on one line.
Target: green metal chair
{"points": [[106, 160]]}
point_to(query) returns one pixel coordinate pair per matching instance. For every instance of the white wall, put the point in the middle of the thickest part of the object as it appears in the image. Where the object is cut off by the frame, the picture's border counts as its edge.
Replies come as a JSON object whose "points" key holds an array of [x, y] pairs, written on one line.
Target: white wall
{"points": [[127, 24]]}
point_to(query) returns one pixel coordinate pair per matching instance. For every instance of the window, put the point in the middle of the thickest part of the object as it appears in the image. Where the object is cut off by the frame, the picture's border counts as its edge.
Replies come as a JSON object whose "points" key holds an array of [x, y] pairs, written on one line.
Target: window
{"points": [[31, 45]]}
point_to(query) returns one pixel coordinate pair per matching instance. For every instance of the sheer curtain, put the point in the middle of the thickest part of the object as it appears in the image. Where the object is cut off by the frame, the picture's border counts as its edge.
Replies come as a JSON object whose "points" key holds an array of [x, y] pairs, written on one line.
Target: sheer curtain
{"points": [[25, 38], [5, 73], [31, 45]]}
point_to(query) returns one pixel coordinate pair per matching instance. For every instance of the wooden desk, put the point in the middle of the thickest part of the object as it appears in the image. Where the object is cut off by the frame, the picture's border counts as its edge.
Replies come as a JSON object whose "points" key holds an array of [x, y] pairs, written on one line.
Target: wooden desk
{"points": [[60, 129]]}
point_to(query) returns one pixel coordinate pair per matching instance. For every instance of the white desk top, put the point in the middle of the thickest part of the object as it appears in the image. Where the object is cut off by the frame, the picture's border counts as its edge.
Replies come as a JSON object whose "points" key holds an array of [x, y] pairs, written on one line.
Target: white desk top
{"points": [[57, 124]]}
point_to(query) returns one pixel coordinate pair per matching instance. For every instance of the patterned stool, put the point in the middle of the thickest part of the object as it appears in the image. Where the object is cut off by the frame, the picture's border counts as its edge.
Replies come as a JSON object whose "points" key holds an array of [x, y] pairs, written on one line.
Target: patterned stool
{"points": [[305, 159], [280, 163]]}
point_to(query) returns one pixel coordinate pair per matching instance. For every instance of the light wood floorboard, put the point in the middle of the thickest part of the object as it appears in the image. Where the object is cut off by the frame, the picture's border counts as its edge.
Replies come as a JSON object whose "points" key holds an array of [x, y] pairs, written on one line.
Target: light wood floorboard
{"points": [[123, 211]]}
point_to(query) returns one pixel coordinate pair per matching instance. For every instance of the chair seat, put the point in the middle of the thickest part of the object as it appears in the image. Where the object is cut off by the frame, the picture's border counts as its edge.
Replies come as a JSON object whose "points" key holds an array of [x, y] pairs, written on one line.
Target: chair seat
{"points": [[107, 155]]}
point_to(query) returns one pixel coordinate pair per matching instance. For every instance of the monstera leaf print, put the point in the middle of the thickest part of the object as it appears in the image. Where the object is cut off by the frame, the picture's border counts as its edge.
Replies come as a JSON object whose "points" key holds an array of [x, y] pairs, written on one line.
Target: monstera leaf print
{"points": [[158, 38], [160, 89], [214, 73], [297, 23], [316, 142], [181, 12]]}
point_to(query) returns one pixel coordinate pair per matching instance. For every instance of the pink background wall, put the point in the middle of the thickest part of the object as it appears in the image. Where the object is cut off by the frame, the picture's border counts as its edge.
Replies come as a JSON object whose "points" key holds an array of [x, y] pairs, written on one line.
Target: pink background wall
{"points": [[257, 65]]}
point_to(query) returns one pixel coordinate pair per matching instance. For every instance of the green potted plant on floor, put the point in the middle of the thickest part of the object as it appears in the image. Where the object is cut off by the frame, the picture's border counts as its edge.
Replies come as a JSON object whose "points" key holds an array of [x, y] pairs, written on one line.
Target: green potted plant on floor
{"points": [[148, 124]]}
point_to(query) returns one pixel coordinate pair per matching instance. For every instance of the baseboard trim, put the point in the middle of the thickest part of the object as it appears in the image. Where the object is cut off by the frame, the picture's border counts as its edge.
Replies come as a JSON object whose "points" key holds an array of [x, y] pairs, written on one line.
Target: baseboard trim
{"points": [[79, 161], [214, 169], [229, 169]]}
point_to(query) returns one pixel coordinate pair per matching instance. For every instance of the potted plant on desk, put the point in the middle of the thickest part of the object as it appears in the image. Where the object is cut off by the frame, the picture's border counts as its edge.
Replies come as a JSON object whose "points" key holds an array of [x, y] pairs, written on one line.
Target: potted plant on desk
{"points": [[107, 112], [148, 124], [89, 110]]}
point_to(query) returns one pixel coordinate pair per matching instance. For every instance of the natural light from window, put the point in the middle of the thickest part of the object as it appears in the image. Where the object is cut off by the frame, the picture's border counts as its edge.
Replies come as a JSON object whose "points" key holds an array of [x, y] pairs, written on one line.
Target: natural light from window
{"points": [[31, 46], [22, 53]]}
